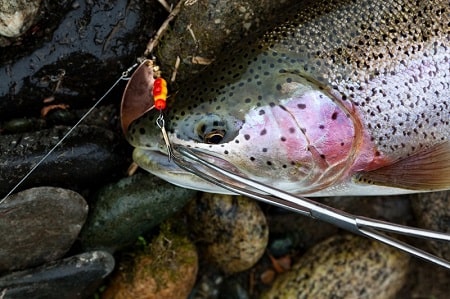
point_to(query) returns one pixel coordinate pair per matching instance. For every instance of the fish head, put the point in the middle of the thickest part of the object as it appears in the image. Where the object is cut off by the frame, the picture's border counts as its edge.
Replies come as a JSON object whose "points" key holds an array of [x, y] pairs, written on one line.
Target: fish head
{"points": [[257, 116]]}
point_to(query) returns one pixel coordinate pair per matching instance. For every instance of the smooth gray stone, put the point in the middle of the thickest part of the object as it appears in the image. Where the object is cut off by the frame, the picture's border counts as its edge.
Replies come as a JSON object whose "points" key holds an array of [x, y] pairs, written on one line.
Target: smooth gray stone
{"points": [[125, 210], [39, 225], [74, 277]]}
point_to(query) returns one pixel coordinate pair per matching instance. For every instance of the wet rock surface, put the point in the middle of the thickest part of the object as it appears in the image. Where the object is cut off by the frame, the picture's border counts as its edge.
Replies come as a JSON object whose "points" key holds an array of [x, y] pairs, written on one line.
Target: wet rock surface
{"points": [[90, 156], [73, 54], [124, 210], [39, 225], [73, 277], [344, 267], [232, 229]]}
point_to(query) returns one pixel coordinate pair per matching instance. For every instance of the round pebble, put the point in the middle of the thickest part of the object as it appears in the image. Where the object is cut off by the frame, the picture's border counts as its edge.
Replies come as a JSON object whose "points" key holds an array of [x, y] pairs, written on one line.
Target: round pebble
{"points": [[344, 266], [124, 210], [39, 225], [233, 230], [16, 16], [167, 269]]}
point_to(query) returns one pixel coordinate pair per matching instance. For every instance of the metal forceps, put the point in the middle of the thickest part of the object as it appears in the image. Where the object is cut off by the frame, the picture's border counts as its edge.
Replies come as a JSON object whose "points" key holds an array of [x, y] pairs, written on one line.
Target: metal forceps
{"points": [[190, 160]]}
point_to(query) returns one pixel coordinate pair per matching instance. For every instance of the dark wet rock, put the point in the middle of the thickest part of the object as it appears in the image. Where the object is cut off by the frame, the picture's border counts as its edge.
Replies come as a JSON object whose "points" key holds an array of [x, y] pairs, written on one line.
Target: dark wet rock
{"points": [[124, 210], [217, 26], [232, 229], [344, 266], [90, 156], [73, 277], [16, 16], [166, 268], [39, 225], [73, 54], [432, 211]]}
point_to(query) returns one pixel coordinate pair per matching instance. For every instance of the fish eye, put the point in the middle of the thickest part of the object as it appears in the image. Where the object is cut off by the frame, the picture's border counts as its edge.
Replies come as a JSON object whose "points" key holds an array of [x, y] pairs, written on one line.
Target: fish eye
{"points": [[214, 137]]}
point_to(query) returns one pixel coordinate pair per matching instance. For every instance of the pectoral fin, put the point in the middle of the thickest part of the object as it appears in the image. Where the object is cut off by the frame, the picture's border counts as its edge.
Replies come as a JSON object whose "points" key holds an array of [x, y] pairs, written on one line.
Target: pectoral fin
{"points": [[427, 170]]}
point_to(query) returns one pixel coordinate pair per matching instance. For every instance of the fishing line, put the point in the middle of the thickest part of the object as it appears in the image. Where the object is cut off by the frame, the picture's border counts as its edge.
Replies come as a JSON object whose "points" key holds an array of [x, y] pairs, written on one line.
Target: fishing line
{"points": [[123, 77]]}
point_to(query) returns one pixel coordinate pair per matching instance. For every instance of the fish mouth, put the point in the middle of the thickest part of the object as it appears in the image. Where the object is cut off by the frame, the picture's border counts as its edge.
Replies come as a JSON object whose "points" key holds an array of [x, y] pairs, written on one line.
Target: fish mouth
{"points": [[158, 164]]}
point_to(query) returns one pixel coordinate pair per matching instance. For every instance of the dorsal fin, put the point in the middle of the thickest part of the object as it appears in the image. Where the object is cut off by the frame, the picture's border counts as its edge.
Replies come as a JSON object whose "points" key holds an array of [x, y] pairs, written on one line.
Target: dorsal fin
{"points": [[427, 170]]}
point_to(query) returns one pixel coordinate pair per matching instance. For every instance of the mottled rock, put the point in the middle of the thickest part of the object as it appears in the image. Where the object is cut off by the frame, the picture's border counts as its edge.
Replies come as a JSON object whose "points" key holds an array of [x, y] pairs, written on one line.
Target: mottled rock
{"points": [[39, 225], [71, 278], [167, 269], [124, 210], [232, 229], [16, 16], [432, 211], [344, 266]]}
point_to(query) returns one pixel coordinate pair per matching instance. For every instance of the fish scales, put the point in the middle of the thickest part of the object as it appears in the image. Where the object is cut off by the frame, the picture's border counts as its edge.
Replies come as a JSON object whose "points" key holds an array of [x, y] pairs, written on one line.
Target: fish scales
{"points": [[368, 50], [338, 100]]}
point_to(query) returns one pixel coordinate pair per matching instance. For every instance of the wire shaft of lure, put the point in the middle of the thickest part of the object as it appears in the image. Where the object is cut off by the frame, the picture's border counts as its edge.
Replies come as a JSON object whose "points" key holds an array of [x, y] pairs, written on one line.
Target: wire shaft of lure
{"points": [[124, 76], [161, 124]]}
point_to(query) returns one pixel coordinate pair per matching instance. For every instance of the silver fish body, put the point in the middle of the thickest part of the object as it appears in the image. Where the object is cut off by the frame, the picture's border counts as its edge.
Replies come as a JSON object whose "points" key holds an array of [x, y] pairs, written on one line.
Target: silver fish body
{"points": [[346, 98]]}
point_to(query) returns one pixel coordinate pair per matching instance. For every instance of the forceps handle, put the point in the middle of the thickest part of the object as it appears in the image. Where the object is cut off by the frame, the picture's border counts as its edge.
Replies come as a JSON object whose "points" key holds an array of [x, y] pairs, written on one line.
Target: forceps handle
{"points": [[359, 225]]}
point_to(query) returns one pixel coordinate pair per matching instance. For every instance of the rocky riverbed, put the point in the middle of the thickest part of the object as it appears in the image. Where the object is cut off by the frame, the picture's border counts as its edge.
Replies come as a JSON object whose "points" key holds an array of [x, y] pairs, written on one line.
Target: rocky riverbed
{"points": [[78, 227]]}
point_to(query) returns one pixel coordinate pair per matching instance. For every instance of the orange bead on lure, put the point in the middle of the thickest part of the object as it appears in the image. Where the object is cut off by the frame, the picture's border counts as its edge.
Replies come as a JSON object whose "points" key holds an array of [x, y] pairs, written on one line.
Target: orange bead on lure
{"points": [[160, 93], [137, 99]]}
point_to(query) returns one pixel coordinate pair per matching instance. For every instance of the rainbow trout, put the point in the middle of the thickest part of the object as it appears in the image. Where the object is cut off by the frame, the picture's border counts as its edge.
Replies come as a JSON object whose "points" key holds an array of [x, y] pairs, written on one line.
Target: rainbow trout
{"points": [[345, 98]]}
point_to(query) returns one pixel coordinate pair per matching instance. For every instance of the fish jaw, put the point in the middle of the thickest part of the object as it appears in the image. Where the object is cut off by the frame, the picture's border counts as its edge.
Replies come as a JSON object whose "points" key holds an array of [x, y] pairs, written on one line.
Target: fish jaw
{"points": [[158, 164]]}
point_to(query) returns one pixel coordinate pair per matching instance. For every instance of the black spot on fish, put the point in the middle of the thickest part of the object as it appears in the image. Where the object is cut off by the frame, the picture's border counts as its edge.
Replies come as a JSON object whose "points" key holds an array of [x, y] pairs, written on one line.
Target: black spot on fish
{"points": [[225, 152], [272, 104], [248, 100], [141, 131], [252, 158], [269, 163], [291, 130], [278, 87], [321, 127], [283, 139], [322, 156], [261, 112], [334, 115], [263, 132], [301, 106], [264, 149], [247, 137]]}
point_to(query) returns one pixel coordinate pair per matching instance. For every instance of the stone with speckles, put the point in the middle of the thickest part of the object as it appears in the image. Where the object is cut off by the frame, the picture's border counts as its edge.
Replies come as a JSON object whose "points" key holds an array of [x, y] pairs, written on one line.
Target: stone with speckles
{"points": [[344, 266], [232, 229]]}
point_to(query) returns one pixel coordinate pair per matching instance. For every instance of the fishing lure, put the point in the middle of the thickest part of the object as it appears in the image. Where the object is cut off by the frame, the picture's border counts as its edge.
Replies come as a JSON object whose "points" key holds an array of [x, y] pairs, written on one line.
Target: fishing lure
{"points": [[146, 90]]}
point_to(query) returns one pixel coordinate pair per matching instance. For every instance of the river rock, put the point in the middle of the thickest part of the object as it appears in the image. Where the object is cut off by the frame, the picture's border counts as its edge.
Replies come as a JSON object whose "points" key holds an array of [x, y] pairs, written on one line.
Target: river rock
{"points": [[39, 225], [16, 16], [88, 157], [71, 278], [432, 211], [344, 266], [233, 230], [167, 268], [124, 210]]}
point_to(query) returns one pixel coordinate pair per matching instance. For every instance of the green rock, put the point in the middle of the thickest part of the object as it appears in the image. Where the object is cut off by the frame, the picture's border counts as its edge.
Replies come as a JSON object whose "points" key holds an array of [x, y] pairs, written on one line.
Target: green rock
{"points": [[124, 210]]}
